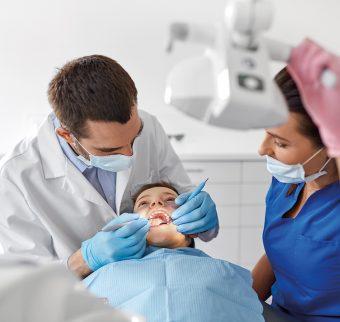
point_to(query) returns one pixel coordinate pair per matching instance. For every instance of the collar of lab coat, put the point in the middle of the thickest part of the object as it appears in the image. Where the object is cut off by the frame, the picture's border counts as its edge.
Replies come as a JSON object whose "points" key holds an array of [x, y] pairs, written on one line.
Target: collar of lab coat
{"points": [[56, 165]]}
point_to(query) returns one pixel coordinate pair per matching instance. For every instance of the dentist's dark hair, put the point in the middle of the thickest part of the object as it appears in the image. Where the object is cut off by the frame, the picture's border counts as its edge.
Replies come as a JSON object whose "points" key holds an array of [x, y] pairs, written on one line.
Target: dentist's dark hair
{"points": [[295, 104], [92, 88]]}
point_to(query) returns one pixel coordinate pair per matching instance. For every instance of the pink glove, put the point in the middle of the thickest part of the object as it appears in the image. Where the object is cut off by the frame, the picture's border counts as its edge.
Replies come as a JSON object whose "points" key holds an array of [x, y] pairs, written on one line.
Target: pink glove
{"points": [[307, 62]]}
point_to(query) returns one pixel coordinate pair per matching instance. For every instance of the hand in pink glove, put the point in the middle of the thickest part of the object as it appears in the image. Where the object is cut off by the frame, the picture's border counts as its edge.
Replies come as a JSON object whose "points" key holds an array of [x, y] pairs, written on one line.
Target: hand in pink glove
{"points": [[307, 62]]}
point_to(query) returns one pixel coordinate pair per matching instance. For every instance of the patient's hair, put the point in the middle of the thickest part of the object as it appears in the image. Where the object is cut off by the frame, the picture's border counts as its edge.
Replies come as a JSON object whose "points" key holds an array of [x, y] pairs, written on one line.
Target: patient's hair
{"points": [[153, 185], [92, 88]]}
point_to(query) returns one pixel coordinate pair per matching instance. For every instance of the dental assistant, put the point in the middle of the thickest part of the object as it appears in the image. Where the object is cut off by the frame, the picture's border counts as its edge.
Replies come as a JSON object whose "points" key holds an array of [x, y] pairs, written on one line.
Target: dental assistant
{"points": [[59, 188], [301, 237]]}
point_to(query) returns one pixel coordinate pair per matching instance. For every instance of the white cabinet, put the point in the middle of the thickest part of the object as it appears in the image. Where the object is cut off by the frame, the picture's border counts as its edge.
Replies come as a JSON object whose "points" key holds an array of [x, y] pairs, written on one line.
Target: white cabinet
{"points": [[239, 189], [225, 246], [217, 172]]}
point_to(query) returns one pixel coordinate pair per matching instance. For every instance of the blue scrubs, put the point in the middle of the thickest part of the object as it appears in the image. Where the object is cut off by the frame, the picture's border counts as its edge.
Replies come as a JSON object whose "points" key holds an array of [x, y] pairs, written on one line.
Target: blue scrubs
{"points": [[305, 252]]}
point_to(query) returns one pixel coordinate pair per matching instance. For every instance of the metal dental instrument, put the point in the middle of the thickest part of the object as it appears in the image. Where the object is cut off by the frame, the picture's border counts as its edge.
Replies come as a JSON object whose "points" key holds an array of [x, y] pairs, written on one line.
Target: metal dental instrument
{"points": [[116, 226], [198, 189]]}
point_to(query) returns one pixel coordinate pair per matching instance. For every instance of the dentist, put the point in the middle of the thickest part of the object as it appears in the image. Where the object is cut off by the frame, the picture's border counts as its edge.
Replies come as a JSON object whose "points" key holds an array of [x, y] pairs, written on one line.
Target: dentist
{"points": [[59, 188]]}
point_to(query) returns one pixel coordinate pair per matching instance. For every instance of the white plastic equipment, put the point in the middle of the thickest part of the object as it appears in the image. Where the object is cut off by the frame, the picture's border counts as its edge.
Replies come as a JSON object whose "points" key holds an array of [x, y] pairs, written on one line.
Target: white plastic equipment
{"points": [[230, 85], [31, 292]]}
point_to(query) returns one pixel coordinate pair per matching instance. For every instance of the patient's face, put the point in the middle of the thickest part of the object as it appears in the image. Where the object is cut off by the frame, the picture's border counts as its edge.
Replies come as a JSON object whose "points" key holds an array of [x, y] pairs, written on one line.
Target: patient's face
{"points": [[157, 204]]}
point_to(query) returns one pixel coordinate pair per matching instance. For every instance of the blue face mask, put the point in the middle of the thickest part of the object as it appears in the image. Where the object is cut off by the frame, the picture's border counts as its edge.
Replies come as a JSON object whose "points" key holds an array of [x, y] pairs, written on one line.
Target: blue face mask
{"points": [[293, 173], [113, 163]]}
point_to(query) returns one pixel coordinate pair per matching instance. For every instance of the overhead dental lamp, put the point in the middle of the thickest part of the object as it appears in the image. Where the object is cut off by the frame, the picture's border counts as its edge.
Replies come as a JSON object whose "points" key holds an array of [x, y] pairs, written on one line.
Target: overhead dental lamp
{"points": [[230, 85]]}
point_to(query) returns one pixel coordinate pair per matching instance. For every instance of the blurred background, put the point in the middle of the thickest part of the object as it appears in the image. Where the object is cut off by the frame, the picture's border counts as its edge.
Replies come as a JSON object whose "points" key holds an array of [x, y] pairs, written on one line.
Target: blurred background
{"points": [[38, 36]]}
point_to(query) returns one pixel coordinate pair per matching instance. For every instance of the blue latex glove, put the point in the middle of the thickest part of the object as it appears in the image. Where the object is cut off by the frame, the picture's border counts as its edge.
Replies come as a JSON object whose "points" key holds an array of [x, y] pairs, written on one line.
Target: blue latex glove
{"points": [[125, 243], [196, 215]]}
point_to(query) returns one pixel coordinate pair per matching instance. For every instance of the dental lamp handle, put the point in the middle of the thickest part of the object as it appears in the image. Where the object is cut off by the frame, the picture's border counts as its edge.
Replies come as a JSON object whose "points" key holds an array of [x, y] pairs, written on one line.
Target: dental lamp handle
{"points": [[194, 33], [280, 51]]}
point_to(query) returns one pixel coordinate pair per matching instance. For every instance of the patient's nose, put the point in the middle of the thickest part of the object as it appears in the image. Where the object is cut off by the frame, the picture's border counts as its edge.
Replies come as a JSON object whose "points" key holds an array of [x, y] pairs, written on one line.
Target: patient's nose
{"points": [[157, 203]]}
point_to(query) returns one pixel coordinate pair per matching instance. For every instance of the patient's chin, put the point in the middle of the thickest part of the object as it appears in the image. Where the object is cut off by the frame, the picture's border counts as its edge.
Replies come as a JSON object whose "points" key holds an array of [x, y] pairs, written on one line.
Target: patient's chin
{"points": [[166, 236]]}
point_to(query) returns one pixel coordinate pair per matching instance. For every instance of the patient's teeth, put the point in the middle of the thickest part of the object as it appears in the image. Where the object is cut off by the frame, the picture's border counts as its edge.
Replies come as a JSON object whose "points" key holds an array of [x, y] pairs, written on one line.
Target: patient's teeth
{"points": [[158, 218]]}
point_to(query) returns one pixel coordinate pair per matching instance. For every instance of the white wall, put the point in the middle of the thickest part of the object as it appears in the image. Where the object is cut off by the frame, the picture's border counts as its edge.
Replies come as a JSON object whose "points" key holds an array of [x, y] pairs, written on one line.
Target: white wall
{"points": [[38, 36]]}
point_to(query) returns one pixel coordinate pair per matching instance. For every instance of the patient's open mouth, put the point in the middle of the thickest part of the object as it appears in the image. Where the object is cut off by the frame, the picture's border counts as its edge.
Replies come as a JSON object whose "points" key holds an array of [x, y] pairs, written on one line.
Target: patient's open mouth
{"points": [[159, 218]]}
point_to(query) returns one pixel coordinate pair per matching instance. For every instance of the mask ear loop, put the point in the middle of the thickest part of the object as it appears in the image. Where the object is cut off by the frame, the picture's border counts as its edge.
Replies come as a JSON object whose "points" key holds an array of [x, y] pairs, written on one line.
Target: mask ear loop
{"points": [[315, 154], [325, 165], [89, 154], [320, 173]]}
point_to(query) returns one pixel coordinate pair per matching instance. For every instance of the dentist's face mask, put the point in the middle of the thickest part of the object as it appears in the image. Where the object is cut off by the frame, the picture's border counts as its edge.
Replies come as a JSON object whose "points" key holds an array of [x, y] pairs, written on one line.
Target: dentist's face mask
{"points": [[113, 163], [293, 173]]}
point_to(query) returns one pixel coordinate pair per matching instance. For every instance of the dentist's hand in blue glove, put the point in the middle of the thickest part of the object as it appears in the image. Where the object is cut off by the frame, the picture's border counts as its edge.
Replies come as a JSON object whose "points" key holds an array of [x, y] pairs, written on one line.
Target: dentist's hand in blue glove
{"points": [[125, 243], [196, 215]]}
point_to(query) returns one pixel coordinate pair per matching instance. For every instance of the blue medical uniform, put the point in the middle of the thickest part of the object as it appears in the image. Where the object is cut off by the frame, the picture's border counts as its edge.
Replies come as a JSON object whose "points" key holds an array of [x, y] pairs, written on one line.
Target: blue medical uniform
{"points": [[305, 252]]}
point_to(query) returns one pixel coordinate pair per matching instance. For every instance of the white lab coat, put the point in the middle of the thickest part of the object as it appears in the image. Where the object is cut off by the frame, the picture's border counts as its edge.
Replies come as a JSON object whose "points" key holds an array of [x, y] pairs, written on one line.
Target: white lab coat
{"points": [[48, 207], [49, 293]]}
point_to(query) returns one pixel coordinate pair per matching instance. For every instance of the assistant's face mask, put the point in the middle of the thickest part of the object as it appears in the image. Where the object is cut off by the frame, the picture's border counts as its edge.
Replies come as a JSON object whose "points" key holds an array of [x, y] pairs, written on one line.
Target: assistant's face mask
{"points": [[293, 173], [113, 163]]}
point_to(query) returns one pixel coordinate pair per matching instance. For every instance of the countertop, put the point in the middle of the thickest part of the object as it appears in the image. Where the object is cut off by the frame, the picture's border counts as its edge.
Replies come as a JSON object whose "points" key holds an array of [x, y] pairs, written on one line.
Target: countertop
{"points": [[205, 142]]}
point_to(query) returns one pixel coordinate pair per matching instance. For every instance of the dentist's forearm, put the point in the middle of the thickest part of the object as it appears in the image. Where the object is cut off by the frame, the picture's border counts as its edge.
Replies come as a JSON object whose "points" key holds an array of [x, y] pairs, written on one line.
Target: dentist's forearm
{"points": [[77, 265], [338, 163]]}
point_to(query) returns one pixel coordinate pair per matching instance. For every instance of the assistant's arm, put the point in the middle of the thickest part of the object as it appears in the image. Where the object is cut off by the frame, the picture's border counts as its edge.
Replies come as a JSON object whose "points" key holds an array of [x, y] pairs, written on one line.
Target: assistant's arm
{"points": [[263, 278]]}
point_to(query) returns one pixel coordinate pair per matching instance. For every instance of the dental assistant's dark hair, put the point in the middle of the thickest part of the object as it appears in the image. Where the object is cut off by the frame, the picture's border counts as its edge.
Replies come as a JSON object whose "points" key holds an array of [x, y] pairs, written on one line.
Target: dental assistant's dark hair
{"points": [[293, 98], [92, 88], [153, 185]]}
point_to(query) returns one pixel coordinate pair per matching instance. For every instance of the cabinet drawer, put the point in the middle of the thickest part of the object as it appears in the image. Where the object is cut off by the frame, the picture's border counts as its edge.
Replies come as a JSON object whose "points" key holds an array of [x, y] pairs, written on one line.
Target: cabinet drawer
{"points": [[251, 245], [253, 194], [217, 172], [252, 215], [224, 194], [224, 246], [228, 216], [253, 172]]}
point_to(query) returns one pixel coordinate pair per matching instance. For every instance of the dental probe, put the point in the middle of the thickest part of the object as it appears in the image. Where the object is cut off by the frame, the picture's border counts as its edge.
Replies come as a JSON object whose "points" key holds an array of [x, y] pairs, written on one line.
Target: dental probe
{"points": [[198, 189], [116, 226]]}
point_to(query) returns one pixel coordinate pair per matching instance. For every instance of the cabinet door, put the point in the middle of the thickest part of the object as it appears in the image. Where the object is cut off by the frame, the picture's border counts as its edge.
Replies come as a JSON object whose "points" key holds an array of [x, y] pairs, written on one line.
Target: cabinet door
{"points": [[224, 246], [217, 172]]}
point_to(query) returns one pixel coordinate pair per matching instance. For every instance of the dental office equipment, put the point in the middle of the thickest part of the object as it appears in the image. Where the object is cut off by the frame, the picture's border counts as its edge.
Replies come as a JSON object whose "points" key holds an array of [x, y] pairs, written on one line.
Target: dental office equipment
{"points": [[25, 283], [231, 85], [115, 227], [199, 188]]}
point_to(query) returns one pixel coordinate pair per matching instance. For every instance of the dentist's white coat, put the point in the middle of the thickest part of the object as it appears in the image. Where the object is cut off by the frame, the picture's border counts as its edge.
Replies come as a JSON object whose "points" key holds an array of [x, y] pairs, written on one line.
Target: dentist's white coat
{"points": [[47, 206]]}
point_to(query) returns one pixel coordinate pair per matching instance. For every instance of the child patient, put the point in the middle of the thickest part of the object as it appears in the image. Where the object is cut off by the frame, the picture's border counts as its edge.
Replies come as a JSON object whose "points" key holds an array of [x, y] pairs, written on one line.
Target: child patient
{"points": [[174, 282], [156, 202]]}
